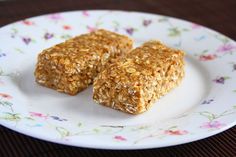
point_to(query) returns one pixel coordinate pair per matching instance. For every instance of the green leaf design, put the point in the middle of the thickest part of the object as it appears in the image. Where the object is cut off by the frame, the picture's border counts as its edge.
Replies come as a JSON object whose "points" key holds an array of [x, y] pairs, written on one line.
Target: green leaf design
{"points": [[208, 115], [29, 118], [1, 71], [185, 29], [222, 38], [173, 127], [19, 50], [12, 117], [65, 36], [164, 19], [6, 104], [79, 124], [62, 131], [99, 23], [174, 32], [226, 77], [205, 51], [115, 23], [96, 130]]}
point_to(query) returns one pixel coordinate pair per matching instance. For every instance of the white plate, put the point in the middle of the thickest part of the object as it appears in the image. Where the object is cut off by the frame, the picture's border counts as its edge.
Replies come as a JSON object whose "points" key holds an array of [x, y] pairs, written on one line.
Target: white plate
{"points": [[203, 105]]}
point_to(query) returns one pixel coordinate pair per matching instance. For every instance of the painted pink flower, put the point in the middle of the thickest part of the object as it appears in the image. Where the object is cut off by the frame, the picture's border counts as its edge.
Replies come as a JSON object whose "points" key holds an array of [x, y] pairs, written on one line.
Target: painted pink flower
{"points": [[55, 17], [6, 96], [85, 13], [27, 22], [120, 138], [176, 132], [40, 115], [226, 48], [212, 125], [195, 26], [66, 27], [91, 29], [207, 57]]}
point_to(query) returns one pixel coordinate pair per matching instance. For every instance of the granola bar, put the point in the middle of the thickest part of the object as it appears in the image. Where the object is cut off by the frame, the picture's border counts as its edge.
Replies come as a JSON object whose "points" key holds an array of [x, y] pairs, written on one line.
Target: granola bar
{"points": [[71, 66], [135, 81]]}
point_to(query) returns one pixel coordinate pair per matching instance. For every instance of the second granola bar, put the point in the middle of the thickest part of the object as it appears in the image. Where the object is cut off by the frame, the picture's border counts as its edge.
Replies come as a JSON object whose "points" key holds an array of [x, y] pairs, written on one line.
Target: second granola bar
{"points": [[134, 82]]}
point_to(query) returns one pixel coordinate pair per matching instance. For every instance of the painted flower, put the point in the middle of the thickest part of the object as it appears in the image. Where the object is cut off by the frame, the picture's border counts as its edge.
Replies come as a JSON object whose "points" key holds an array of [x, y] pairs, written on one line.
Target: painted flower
{"points": [[48, 36], [207, 101], [120, 138], [220, 80], [66, 27], [130, 30], [85, 13], [195, 26], [58, 118], [6, 96], [26, 40], [176, 132], [91, 29], [212, 125], [3, 55], [39, 115], [226, 48], [55, 17], [207, 57], [234, 67], [147, 22], [27, 22]]}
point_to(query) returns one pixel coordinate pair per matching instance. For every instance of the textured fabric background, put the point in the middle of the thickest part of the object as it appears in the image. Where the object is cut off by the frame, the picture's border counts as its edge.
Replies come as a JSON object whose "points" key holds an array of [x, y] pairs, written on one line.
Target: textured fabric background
{"points": [[216, 14]]}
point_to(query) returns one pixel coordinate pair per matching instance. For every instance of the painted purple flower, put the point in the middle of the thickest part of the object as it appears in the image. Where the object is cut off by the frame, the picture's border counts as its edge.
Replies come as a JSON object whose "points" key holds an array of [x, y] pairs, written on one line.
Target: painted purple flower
{"points": [[147, 22], [234, 67], [226, 48], [58, 118], [130, 30], [207, 101], [2, 55], [48, 36], [220, 80], [212, 125], [26, 40], [55, 17]]}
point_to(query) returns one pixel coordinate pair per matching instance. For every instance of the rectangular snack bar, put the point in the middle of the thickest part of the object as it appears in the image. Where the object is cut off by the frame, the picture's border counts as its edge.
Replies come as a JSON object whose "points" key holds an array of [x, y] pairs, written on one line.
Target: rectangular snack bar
{"points": [[136, 80], [71, 66]]}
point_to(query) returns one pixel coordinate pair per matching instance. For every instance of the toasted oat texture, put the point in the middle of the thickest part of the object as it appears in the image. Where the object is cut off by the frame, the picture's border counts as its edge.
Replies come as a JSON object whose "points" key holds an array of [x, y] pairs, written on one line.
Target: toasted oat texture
{"points": [[136, 80], [71, 66]]}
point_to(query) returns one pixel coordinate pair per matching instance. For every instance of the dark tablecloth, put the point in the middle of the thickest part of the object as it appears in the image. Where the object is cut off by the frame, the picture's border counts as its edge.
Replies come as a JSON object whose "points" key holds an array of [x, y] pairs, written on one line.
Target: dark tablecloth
{"points": [[219, 15]]}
